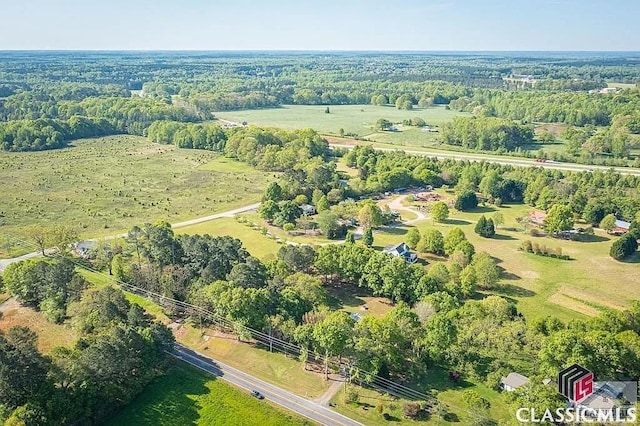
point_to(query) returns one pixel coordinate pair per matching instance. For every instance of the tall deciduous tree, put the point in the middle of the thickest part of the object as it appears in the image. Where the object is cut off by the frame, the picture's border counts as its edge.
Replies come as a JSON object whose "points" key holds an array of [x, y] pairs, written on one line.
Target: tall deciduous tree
{"points": [[432, 241], [439, 211], [412, 238], [332, 336], [608, 223], [487, 272], [453, 238], [370, 215], [559, 218]]}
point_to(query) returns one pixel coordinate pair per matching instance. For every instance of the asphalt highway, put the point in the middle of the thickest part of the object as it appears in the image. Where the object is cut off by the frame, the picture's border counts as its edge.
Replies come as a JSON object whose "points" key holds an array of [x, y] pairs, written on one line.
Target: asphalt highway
{"points": [[316, 412]]}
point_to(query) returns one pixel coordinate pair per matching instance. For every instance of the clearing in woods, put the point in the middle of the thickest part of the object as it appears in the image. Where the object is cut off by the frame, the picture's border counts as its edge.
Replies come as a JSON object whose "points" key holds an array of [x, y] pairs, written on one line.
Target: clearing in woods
{"points": [[353, 119]]}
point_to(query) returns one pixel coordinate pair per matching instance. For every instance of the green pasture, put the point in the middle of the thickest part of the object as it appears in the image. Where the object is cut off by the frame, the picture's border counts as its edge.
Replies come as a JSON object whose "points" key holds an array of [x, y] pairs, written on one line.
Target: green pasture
{"points": [[354, 119], [186, 396], [104, 186]]}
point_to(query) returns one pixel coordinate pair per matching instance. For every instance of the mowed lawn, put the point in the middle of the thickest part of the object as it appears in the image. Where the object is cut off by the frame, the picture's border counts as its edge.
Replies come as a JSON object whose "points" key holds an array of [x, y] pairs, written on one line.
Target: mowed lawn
{"points": [[186, 396], [354, 119], [541, 286], [104, 186]]}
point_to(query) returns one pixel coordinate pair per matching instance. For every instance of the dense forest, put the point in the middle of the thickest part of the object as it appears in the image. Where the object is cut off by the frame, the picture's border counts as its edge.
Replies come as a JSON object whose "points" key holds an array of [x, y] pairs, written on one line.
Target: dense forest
{"points": [[127, 92]]}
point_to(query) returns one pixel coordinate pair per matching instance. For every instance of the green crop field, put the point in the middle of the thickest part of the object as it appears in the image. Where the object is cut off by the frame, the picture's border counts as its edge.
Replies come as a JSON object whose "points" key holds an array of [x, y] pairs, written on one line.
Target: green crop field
{"points": [[186, 396], [104, 186], [354, 119]]}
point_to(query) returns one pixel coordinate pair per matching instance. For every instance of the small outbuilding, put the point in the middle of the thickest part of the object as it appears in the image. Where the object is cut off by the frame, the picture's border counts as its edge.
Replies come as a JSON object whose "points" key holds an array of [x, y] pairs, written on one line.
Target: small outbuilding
{"points": [[513, 381], [308, 209], [621, 227]]}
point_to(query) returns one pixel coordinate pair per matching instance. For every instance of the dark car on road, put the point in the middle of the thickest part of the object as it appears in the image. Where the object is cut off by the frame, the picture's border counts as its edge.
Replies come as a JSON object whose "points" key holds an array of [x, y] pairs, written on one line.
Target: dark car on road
{"points": [[257, 394]]}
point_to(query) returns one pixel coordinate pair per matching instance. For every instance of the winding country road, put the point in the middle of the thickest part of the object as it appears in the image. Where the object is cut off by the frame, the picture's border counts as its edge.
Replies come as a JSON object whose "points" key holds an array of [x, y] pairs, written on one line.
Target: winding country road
{"points": [[396, 204], [230, 213], [288, 400]]}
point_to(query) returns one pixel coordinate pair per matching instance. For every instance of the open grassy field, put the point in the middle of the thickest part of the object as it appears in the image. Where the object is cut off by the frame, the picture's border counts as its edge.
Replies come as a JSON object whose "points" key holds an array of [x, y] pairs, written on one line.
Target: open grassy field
{"points": [[186, 396], [354, 119], [104, 186], [622, 85]]}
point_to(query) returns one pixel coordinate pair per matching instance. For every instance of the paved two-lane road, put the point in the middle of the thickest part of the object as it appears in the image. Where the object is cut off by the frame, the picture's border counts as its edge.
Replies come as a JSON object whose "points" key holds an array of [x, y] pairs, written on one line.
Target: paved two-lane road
{"points": [[230, 213], [518, 162], [288, 400]]}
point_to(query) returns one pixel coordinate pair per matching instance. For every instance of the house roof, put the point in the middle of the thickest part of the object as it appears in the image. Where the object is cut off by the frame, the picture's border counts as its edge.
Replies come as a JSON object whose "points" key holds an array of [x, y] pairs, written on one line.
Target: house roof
{"points": [[514, 380], [622, 224], [397, 248], [307, 208], [355, 315], [607, 395]]}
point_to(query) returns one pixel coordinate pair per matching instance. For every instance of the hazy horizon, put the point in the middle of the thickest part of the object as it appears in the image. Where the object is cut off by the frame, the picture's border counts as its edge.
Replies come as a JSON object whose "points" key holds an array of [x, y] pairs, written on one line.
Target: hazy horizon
{"points": [[332, 25]]}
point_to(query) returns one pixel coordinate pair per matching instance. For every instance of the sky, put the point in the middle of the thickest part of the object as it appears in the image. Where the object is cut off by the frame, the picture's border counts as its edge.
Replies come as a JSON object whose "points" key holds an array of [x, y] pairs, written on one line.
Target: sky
{"points": [[420, 25]]}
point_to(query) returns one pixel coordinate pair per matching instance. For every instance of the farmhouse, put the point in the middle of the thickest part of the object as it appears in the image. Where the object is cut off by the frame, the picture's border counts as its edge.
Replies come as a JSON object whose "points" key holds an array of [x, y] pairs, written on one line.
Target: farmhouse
{"points": [[401, 250], [513, 381]]}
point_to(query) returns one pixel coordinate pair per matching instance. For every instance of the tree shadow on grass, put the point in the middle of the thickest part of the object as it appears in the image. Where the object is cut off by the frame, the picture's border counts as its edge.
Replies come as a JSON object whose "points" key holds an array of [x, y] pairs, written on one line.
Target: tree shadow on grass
{"points": [[459, 222], [514, 291], [509, 275], [483, 209], [634, 258], [503, 237], [584, 238], [394, 230]]}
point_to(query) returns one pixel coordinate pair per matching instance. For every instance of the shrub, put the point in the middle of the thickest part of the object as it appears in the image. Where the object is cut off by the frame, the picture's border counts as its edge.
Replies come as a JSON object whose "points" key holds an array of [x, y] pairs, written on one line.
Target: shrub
{"points": [[485, 227], [352, 396], [526, 246], [466, 201], [411, 410], [623, 247]]}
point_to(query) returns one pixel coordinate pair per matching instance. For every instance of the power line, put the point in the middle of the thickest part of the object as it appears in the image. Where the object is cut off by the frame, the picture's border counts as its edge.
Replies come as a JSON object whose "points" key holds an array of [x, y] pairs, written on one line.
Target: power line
{"points": [[268, 340]]}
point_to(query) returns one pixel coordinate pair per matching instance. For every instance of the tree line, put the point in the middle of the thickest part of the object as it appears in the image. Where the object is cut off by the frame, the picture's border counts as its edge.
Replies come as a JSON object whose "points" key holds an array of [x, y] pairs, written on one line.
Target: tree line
{"points": [[486, 134], [119, 350]]}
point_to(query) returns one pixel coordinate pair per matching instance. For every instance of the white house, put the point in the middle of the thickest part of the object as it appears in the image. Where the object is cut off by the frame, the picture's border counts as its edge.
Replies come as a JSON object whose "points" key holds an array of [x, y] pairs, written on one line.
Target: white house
{"points": [[401, 250]]}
